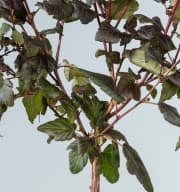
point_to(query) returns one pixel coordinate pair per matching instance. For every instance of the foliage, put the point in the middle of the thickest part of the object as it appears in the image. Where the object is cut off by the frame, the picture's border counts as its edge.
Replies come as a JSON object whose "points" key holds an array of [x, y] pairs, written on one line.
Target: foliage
{"points": [[154, 65]]}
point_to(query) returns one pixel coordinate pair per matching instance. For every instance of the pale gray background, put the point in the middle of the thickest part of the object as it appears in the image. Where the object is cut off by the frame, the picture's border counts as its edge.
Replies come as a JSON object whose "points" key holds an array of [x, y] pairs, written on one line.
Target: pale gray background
{"points": [[29, 164]]}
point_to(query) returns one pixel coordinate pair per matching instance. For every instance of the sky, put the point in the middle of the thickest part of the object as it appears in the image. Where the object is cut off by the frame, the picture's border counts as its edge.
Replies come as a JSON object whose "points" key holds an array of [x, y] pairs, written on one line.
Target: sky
{"points": [[29, 164]]}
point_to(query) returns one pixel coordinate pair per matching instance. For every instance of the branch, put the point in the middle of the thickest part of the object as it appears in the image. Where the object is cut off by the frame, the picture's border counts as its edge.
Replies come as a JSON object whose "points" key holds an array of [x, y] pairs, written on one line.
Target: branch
{"points": [[81, 127], [171, 16]]}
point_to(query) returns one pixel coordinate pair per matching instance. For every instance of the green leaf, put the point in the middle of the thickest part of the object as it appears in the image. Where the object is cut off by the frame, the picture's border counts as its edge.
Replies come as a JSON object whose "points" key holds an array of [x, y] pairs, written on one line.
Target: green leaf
{"points": [[178, 144], [136, 167], [5, 27], [77, 160], [34, 105], [59, 9], [109, 163], [94, 109], [170, 114], [136, 56], [107, 33], [49, 62], [87, 89], [118, 6], [85, 144], [154, 92], [68, 70], [153, 53], [168, 91], [49, 90], [105, 83], [115, 135], [60, 129], [29, 73], [17, 37], [112, 57], [6, 93], [85, 14]]}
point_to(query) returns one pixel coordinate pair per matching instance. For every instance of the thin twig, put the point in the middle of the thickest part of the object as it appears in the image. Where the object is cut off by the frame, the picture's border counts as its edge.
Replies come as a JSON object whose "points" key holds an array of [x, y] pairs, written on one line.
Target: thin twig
{"points": [[108, 10], [119, 108], [97, 16], [171, 16], [143, 81], [81, 127], [177, 53]]}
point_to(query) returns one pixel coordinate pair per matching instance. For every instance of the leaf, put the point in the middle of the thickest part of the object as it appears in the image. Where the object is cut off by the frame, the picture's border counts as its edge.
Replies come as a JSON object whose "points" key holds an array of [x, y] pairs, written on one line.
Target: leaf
{"points": [[5, 27], [85, 14], [6, 93], [136, 167], [157, 22], [136, 56], [77, 161], [31, 47], [168, 91], [19, 10], [94, 109], [85, 144], [105, 83], [112, 57], [153, 53], [175, 78], [17, 37], [165, 42], [29, 73], [147, 32], [107, 33], [131, 24], [60, 129], [178, 144], [127, 88], [59, 9], [154, 92], [118, 6], [87, 89], [125, 38], [34, 105], [115, 135], [109, 163], [170, 114], [49, 90], [49, 62]]}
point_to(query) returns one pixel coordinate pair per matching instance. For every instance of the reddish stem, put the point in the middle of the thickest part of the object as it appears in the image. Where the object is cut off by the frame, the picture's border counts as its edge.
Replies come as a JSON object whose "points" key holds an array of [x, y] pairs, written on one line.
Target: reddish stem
{"points": [[171, 16], [108, 10]]}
